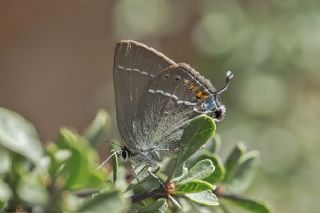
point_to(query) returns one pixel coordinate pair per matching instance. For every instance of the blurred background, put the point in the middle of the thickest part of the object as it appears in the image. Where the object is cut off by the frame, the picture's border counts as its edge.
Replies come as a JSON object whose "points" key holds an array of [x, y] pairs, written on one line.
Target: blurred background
{"points": [[56, 60]]}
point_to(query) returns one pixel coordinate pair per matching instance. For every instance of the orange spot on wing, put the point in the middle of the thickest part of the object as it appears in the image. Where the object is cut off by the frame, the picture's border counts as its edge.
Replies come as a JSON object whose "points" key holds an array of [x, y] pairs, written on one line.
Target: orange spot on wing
{"points": [[201, 95]]}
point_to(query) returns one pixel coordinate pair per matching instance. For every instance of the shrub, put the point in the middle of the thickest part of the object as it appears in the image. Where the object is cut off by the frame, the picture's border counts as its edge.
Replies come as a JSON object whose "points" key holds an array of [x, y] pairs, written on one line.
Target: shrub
{"points": [[63, 176]]}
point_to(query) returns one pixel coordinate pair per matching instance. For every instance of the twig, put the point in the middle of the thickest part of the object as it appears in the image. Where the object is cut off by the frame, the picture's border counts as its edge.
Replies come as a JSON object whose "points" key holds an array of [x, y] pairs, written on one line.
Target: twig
{"points": [[220, 193], [147, 194], [135, 198], [86, 193]]}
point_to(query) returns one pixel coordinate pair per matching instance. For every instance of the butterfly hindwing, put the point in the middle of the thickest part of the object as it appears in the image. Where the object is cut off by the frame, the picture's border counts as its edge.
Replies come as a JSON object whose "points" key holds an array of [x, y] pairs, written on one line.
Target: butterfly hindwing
{"points": [[167, 105]]}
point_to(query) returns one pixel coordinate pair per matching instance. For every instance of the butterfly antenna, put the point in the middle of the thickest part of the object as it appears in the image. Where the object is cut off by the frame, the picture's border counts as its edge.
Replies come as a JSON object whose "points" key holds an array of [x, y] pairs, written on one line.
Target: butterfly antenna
{"points": [[106, 160], [229, 76], [112, 143]]}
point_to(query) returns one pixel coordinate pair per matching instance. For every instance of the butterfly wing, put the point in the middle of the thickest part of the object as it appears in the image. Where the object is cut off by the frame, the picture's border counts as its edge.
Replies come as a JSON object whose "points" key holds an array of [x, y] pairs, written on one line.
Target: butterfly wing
{"points": [[135, 65], [168, 105]]}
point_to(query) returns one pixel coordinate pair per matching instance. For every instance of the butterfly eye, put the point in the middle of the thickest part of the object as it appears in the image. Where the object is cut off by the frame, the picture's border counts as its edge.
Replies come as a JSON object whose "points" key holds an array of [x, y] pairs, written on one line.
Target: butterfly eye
{"points": [[124, 156], [217, 114]]}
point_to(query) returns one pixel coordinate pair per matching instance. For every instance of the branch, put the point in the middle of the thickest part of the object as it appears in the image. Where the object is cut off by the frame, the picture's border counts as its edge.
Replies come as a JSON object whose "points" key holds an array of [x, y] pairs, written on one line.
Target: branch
{"points": [[147, 194], [135, 198], [219, 191], [86, 193]]}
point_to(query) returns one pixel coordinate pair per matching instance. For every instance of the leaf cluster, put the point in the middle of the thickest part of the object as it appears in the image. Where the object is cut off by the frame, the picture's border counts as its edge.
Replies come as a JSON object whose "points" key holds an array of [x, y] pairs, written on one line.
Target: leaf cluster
{"points": [[63, 175]]}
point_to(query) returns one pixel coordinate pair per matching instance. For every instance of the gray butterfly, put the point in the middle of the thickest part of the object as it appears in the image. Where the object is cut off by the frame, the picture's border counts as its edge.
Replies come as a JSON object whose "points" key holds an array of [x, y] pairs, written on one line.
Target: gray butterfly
{"points": [[155, 99]]}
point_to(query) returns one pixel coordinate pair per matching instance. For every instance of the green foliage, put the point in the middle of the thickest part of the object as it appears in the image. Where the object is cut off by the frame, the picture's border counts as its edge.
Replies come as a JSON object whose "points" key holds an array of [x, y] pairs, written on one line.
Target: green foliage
{"points": [[106, 201], [115, 167], [97, 128], [64, 176], [200, 170], [251, 205], [192, 186], [81, 168], [194, 136], [159, 206], [19, 136], [5, 192], [240, 177], [233, 158], [5, 161], [215, 143], [219, 172], [205, 198]]}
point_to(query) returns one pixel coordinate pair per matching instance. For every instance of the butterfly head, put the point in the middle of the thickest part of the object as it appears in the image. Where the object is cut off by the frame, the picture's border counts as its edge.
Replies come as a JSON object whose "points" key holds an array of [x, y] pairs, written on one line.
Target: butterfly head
{"points": [[124, 154], [213, 105]]}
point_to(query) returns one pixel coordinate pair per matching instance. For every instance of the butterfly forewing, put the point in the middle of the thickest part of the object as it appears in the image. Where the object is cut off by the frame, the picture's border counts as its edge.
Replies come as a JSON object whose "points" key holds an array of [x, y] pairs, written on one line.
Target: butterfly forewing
{"points": [[135, 65], [167, 105]]}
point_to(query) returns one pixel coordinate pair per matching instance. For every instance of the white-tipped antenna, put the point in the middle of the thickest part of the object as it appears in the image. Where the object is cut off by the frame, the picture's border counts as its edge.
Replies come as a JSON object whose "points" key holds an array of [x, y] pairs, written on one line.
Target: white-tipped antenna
{"points": [[114, 152], [229, 76], [112, 143], [104, 162]]}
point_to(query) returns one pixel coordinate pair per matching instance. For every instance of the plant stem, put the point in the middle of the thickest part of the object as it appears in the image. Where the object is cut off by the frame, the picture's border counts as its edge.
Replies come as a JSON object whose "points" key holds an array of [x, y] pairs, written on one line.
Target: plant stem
{"points": [[150, 193], [220, 193], [86, 193], [171, 174]]}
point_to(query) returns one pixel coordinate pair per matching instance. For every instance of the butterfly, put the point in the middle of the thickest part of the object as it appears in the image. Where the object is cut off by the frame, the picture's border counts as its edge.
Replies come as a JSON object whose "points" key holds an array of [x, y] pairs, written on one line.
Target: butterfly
{"points": [[155, 99]]}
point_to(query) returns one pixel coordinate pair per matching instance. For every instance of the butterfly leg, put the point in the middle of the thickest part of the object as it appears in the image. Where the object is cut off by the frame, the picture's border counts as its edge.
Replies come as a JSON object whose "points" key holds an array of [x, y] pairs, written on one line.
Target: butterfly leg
{"points": [[155, 176], [133, 172], [201, 112]]}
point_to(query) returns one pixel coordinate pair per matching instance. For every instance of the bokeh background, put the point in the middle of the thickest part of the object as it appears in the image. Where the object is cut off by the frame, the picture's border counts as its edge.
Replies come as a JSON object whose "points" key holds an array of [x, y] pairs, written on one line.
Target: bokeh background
{"points": [[56, 61]]}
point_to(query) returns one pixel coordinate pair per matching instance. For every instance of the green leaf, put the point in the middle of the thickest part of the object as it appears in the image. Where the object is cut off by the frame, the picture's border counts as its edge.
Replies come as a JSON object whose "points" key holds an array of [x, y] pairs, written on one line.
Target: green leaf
{"points": [[215, 144], [114, 166], [219, 172], [159, 206], [18, 135], [58, 157], [233, 158], [192, 187], [5, 161], [5, 192], [224, 208], [2, 204], [142, 175], [248, 204], [180, 172], [98, 127], [31, 190], [80, 170], [194, 136], [205, 198], [174, 201], [200, 170], [105, 202], [242, 175], [17, 171], [122, 182], [62, 155]]}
